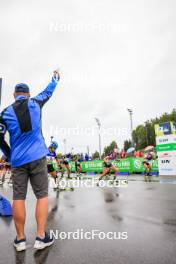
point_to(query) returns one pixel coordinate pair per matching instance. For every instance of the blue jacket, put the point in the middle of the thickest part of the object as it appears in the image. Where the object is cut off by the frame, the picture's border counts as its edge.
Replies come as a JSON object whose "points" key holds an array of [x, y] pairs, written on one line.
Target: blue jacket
{"points": [[22, 120]]}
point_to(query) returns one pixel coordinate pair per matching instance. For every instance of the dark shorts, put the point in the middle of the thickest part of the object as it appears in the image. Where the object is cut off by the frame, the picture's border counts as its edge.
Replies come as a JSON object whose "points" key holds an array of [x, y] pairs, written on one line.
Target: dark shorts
{"points": [[107, 165], [147, 163], [60, 166], [36, 172], [50, 168], [77, 164], [65, 162]]}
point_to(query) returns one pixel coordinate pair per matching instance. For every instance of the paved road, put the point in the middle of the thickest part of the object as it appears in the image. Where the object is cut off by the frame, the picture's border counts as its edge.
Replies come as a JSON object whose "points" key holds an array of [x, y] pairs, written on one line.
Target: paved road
{"points": [[146, 211]]}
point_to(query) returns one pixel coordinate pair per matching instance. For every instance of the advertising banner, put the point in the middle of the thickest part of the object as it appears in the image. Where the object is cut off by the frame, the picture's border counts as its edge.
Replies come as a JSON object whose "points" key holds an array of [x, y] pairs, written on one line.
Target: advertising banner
{"points": [[166, 148], [173, 128], [92, 166], [168, 139], [124, 165], [163, 129], [129, 165], [167, 165]]}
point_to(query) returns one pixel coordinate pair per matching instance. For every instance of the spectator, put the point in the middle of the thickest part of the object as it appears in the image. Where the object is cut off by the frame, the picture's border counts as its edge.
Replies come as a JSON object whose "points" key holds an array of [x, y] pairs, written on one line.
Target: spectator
{"points": [[123, 154], [27, 154]]}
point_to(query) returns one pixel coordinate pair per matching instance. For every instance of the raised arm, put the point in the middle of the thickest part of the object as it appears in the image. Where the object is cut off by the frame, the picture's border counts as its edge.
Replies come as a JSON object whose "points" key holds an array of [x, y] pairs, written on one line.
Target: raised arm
{"points": [[44, 96], [3, 144]]}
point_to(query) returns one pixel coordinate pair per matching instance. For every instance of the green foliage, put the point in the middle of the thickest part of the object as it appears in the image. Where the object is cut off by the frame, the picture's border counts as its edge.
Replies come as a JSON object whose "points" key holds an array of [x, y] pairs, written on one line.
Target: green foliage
{"points": [[127, 144], [144, 135], [96, 155], [110, 148]]}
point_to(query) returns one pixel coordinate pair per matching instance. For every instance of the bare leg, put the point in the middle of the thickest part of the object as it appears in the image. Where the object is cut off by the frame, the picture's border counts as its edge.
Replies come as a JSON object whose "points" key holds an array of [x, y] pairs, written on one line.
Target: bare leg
{"points": [[115, 169], [41, 215], [54, 175], [68, 170], [19, 216], [105, 172], [79, 170], [63, 170], [146, 172]]}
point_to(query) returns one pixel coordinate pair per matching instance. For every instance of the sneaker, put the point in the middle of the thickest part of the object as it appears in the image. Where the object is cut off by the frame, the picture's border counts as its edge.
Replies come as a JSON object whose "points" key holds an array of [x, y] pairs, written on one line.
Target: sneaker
{"points": [[20, 245], [41, 243]]}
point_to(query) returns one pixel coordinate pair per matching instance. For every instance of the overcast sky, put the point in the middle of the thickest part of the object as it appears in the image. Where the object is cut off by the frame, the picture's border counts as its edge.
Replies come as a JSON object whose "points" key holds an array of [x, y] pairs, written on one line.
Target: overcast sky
{"points": [[112, 54]]}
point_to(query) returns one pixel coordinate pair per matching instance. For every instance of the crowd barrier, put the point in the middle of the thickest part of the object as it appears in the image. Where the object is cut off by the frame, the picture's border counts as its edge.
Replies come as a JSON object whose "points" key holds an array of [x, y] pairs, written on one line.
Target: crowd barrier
{"points": [[128, 165]]}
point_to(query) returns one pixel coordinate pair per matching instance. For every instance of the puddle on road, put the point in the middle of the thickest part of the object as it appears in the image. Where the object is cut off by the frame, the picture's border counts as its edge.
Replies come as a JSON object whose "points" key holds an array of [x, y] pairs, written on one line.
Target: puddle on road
{"points": [[117, 218], [170, 222]]}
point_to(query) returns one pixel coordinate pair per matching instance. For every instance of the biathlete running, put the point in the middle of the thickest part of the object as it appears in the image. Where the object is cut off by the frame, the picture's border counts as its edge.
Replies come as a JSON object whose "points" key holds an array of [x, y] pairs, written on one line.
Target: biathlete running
{"points": [[52, 162], [147, 168], [147, 163], [108, 166], [78, 166], [65, 166]]}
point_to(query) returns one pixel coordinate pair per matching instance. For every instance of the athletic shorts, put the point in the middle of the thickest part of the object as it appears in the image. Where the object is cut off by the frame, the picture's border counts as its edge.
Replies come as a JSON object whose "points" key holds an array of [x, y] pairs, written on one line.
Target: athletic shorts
{"points": [[77, 164], [107, 165], [60, 166], [36, 172], [148, 163], [65, 162], [50, 168]]}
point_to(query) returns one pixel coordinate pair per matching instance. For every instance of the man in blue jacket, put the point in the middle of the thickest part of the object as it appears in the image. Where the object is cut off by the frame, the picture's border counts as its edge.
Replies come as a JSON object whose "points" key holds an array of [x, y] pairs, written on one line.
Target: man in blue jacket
{"points": [[27, 154]]}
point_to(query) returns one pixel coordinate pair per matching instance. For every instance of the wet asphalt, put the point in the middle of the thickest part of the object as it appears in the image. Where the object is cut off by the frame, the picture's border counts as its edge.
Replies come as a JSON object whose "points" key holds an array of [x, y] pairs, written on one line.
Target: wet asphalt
{"points": [[145, 211]]}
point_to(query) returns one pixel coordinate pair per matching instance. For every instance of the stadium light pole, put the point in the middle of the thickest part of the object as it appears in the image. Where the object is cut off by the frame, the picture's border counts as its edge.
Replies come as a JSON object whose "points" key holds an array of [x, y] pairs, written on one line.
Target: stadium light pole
{"points": [[130, 111], [99, 134]]}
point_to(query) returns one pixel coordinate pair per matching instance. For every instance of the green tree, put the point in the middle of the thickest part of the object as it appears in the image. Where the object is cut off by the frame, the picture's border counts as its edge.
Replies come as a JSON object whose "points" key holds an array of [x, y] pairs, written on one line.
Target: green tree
{"points": [[144, 134], [127, 144], [139, 137], [110, 148], [95, 155]]}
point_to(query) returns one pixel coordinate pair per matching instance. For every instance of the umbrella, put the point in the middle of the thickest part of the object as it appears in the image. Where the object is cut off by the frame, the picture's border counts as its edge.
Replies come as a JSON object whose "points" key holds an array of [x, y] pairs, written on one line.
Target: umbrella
{"points": [[5, 207], [149, 148], [130, 150]]}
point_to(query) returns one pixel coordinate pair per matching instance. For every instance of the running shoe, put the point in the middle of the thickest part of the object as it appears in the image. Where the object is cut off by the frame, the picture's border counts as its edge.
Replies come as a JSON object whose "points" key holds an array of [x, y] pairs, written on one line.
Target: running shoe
{"points": [[20, 245], [41, 243]]}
